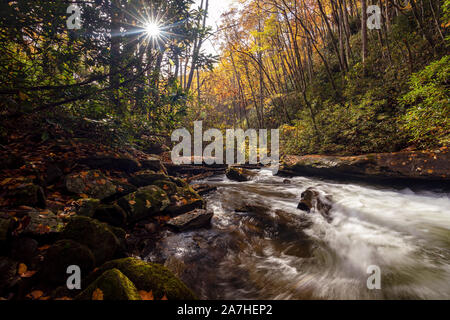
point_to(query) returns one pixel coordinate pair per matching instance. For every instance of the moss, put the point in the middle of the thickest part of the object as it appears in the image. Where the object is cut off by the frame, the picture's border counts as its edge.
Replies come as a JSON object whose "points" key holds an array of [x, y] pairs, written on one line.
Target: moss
{"points": [[114, 285], [151, 277], [111, 214], [145, 202], [88, 207], [169, 187], [95, 235]]}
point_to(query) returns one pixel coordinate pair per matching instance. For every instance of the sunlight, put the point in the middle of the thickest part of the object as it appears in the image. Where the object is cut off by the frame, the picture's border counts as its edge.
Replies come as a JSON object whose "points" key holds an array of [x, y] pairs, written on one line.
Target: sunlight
{"points": [[153, 29]]}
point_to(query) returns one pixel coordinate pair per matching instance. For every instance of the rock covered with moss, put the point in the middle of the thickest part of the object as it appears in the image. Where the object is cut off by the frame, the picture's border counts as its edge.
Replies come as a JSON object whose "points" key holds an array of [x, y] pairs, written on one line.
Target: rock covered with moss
{"points": [[97, 236], [93, 183], [239, 174], [111, 285], [143, 203], [62, 254], [149, 277]]}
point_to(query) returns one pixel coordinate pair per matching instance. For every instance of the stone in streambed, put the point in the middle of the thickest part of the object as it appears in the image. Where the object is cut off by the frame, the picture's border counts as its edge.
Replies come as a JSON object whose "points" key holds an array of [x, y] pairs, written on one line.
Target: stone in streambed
{"points": [[42, 224], [87, 207], [312, 199], [111, 285], [239, 174], [184, 200], [192, 220], [145, 202], [149, 277]]}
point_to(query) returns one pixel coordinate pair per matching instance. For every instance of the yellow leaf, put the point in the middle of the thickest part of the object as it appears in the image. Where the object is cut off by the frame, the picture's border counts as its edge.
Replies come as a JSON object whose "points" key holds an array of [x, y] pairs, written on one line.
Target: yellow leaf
{"points": [[146, 295], [164, 298], [148, 204], [5, 181], [84, 196], [97, 294], [36, 294], [132, 202]]}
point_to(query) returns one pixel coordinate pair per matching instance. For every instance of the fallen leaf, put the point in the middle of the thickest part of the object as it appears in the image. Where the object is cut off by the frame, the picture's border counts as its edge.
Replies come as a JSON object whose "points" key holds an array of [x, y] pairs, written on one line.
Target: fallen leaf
{"points": [[63, 298], [146, 295], [164, 298], [84, 196], [97, 294], [22, 268], [148, 204], [36, 294], [132, 202], [27, 274]]}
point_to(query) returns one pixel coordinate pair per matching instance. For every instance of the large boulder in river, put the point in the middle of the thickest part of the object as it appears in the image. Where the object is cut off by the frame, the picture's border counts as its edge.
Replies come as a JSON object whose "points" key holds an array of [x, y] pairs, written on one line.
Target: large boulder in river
{"points": [[92, 183], [312, 199], [145, 202], [95, 235], [184, 200], [400, 166], [148, 277], [192, 220], [239, 174], [111, 285]]}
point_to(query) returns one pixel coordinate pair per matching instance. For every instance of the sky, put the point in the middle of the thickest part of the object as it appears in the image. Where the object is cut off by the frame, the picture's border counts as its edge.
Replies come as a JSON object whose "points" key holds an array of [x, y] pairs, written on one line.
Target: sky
{"points": [[216, 8]]}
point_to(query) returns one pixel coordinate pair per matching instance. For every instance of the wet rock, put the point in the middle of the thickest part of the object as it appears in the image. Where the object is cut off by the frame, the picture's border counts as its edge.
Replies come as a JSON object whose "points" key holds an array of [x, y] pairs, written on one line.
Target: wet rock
{"points": [[254, 208], [97, 236], [146, 178], [111, 214], [185, 200], [239, 174], [87, 207], [192, 220], [24, 249], [111, 163], [42, 224], [203, 189], [6, 227], [27, 195], [53, 174], [63, 254], [8, 274], [143, 203], [113, 285], [312, 199], [149, 277]]}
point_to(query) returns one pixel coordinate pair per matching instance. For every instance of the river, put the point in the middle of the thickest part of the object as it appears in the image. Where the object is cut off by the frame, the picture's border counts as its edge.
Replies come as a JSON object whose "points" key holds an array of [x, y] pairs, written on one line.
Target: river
{"points": [[269, 249]]}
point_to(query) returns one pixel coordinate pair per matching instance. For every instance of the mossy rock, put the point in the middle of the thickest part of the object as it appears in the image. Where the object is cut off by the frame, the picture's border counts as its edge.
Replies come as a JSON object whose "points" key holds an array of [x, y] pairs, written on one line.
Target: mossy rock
{"points": [[185, 200], [111, 214], [150, 277], [113, 285], [239, 174], [179, 182], [97, 236], [93, 183], [62, 254], [168, 186], [87, 207], [145, 202]]}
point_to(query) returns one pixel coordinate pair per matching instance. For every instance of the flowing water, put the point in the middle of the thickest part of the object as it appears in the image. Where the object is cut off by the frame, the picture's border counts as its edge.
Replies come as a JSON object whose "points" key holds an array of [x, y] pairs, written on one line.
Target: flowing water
{"points": [[272, 250]]}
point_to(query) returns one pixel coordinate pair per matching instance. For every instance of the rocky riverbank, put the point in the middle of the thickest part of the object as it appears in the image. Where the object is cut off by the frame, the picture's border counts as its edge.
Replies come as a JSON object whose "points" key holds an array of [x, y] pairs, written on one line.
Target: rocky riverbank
{"points": [[69, 202]]}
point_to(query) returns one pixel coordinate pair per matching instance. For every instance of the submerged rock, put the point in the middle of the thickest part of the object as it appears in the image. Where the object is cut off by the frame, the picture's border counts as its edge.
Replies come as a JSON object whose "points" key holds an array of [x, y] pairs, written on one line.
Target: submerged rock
{"points": [[145, 202], [192, 220], [149, 277], [97, 236], [63, 254], [312, 199], [239, 174], [111, 285]]}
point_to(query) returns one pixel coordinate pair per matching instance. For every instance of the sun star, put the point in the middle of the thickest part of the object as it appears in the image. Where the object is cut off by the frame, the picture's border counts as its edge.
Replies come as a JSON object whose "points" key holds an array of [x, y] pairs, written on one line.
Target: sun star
{"points": [[153, 29]]}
